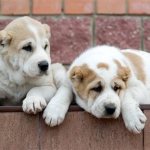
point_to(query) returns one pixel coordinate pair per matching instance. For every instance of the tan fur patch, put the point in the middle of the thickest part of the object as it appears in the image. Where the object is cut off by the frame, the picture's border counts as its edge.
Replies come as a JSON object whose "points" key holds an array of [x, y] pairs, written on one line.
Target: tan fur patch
{"points": [[5, 38], [84, 78], [137, 63], [18, 31], [117, 82], [103, 65], [123, 72]]}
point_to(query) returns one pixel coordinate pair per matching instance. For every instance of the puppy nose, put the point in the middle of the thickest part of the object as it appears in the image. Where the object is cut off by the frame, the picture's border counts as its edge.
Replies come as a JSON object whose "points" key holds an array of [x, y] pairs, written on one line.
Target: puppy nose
{"points": [[43, 65], [110, 109]]}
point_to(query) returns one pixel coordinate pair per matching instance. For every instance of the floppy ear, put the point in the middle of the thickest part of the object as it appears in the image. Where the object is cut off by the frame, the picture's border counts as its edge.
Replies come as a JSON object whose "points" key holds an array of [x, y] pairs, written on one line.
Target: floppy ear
{"points": [[124, 73], [76, 74], [79, 73], [5, 39], [47, 29]]}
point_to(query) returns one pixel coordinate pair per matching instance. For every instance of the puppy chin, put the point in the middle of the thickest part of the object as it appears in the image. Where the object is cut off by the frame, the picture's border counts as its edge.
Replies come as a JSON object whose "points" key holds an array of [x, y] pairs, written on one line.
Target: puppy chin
{"points": [[32, 73], [46, 73], [103, 114], [115, 116], [97, 114]]}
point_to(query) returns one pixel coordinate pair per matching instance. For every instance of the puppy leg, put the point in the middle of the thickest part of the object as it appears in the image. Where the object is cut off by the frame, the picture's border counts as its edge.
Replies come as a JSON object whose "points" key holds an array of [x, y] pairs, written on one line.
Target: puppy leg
{"points": [[132, 115], [57, 108], [37, 99]]}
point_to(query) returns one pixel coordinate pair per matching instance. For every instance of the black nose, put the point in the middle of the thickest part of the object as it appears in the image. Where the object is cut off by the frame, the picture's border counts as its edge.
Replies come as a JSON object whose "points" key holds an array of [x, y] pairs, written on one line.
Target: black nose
{"points": [[43, 65], [110, 109]]}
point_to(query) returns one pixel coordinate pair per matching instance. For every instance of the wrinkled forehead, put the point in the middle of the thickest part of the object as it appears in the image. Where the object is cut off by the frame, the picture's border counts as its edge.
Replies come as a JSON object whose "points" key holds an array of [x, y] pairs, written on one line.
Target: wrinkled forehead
{"points": [[115, 69], [105, 70], [24, 28], [88, 73]]}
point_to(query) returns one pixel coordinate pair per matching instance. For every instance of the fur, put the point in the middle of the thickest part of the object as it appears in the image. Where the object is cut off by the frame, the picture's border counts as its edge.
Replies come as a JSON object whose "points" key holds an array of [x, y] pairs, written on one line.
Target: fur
{"points": [[24, 43], [118, 79]]}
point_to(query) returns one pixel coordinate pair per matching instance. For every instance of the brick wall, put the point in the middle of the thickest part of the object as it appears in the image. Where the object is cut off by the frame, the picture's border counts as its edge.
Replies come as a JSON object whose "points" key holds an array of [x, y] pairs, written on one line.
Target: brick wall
{"points": [[80, 24]]}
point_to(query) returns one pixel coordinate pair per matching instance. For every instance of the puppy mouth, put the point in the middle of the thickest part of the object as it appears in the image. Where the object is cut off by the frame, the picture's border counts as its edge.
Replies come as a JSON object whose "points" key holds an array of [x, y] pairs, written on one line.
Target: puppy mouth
{"points": [[110, 116], [107, 116], [43, 73], [100, 112], [40, 74], [115, 116]]}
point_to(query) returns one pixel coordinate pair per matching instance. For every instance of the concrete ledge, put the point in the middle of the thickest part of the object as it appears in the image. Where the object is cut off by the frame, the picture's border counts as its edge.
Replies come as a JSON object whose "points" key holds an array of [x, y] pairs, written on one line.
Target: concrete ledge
{"points": [[72, 108], [79, 131]]}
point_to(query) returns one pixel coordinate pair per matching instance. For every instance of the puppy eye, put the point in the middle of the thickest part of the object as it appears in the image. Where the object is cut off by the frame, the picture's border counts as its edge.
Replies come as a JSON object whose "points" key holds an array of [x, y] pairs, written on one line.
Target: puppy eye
{"points": [[97, 89], [45, 47], [116, 88], [2, 44], [27, 48]]}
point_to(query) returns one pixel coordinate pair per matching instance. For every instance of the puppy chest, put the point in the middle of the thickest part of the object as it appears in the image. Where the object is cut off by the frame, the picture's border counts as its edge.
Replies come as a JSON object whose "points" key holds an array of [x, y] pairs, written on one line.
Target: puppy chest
{"points": [[12, 91]]}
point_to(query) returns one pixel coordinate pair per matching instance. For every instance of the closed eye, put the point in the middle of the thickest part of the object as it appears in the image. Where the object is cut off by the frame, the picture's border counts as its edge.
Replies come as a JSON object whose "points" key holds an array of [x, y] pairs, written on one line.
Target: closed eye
{"points": [[45, 47], [2, 44], [116, 88], [97, 88], [27, 48]]}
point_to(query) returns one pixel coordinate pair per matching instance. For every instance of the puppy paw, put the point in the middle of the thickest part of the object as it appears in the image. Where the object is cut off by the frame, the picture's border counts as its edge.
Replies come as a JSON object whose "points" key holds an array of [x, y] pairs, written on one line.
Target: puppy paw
{"points": [[33, 104], [54, 115], [135, 121]]}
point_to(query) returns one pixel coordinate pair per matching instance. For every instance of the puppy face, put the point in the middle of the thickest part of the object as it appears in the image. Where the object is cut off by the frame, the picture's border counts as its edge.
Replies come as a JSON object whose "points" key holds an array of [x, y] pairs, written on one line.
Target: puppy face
{"points": [[24, 46], [99, 86]]}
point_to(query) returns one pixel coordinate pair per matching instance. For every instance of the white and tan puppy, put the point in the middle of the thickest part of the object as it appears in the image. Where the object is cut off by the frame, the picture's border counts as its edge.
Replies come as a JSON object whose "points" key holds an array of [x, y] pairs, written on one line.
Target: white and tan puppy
{"points": [[107, 82], [26, 71]]}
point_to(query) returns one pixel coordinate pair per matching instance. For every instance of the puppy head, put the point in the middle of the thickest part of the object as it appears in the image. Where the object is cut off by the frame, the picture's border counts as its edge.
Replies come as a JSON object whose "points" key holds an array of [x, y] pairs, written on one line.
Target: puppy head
{"points": [[98, 90], [24, 46]]}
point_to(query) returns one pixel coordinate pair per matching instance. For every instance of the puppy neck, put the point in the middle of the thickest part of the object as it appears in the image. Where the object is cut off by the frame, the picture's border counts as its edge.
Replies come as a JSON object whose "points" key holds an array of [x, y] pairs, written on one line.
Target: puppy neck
{"points": [[9, 74]]}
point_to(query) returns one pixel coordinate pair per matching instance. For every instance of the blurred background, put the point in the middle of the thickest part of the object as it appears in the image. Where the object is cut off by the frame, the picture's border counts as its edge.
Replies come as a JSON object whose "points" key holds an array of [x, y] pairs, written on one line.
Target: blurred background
{"points": [[79, 24]]}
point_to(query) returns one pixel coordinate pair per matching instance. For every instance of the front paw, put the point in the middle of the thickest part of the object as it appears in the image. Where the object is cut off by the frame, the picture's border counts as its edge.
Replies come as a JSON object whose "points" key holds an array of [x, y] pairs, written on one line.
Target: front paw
{"points": [[135, 120], [33, 104], [54, 115]]}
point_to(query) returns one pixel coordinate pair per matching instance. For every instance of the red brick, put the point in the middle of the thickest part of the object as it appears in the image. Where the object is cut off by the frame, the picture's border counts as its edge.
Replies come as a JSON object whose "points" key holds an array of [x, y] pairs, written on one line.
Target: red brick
{"points": [[15, 7], [111, 6], [4, 22], [70, 36], [118, 31], [147, 131], [139, 6], [79, 6], [19, 131], [81, 131], [47, 6], [146, 38]]}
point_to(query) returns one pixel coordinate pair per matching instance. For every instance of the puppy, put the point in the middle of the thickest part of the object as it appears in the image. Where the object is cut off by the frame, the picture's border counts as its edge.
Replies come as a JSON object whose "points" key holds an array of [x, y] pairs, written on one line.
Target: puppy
{"points": [[26, 71], [107, 82]]}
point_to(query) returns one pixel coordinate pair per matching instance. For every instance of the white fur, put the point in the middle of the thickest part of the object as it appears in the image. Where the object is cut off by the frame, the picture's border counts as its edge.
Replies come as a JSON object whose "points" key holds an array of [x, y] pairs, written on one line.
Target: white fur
{"points": [[128, 102], [21, 77], [56, 109]]}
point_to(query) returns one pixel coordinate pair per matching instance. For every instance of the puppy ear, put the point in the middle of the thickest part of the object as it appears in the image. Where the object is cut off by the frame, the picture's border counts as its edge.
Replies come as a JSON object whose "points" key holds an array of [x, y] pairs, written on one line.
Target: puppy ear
{"points": [[124, 73], [5, 38], [47, 29], [76, 74], [79, 73]]}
